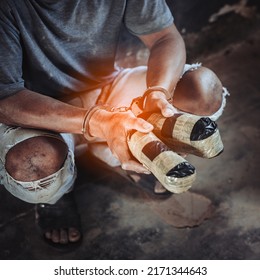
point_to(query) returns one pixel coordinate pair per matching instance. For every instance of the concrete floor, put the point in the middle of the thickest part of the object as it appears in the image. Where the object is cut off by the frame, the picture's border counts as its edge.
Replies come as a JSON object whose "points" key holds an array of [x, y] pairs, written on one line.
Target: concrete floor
{"points": [[218, 219]]}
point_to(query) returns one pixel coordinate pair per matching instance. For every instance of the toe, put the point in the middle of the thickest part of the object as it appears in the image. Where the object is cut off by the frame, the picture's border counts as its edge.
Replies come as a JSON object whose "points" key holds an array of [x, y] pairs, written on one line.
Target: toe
{"points": [[48, 234], [159, 188], [64, 236], [74, 235], [55, 236]]}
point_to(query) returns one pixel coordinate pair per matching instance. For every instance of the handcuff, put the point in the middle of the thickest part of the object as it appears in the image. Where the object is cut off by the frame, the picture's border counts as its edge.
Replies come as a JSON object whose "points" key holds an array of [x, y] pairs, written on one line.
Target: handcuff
{"points": [[136, 107]]}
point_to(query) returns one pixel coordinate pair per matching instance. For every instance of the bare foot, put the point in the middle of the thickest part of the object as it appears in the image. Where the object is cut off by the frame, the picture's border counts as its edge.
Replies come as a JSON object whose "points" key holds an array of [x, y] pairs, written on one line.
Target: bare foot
{"points": [[59, 222], [63, 236]]}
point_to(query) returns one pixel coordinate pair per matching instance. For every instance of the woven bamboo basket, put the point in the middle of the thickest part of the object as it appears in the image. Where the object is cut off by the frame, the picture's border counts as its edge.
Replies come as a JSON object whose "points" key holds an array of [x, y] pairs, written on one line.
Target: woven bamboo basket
{"points": [[171, 170], [186, 133]]}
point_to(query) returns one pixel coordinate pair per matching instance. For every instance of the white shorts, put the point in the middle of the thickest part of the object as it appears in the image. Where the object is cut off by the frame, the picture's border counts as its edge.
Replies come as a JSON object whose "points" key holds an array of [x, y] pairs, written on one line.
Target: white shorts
{"points": [[216, 115], [46, 190], [129, 84], [132, 83]]}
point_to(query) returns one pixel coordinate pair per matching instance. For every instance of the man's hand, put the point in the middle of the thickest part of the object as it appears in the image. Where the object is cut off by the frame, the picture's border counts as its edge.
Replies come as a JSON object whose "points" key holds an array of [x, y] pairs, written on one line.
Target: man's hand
{"points": [[165, 66], [114, 128], [156, 101]]}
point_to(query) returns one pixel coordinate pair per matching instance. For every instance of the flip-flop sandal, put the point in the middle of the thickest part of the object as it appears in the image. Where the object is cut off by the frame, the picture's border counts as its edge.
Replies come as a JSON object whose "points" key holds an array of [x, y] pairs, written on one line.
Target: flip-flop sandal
{"points": [[172, 171], [186, 133], [61, 215], [145, 182]]}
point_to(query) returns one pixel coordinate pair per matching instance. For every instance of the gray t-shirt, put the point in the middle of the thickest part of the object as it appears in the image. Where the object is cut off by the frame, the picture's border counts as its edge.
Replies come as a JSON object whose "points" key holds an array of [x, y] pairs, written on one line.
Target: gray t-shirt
{"points": [[61, 47]]}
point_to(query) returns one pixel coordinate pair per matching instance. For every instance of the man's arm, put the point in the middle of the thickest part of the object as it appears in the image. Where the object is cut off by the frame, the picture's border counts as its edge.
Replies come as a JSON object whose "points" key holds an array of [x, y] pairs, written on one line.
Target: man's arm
{"points": [[33, 110], [165, 66]]}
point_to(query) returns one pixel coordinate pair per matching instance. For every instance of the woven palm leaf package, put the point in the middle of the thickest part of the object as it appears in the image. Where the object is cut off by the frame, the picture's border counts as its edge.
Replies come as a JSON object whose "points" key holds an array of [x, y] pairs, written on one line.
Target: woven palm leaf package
{"points": [[171, 170], [186, 133]]}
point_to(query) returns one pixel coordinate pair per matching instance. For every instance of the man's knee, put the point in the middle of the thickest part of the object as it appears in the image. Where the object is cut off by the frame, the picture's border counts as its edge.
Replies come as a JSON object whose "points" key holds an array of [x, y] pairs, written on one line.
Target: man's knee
{"points": [[35, 158], [199, 92]]}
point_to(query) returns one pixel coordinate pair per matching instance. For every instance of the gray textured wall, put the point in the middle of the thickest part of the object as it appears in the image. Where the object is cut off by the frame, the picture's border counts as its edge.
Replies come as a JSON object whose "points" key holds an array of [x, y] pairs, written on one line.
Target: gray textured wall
{"points": [[194, 14]]}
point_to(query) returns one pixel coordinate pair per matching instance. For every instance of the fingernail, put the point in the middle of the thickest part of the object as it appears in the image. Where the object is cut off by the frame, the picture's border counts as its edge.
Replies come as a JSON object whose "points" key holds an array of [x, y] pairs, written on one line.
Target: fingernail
{"points": [[169, 112], [147, 126], [124, 166]]}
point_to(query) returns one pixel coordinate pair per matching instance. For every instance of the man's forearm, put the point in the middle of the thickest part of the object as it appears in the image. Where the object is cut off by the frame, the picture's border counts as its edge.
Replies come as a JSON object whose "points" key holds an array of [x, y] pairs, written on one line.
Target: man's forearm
{"points": [[33, 110], [167, 58], [166, 64]]}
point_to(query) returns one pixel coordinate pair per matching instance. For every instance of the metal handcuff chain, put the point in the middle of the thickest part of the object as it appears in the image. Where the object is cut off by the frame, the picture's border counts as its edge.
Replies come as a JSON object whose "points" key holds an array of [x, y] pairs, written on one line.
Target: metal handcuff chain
{"points": [[136, 107]]}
